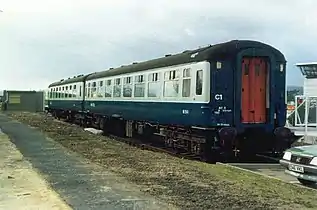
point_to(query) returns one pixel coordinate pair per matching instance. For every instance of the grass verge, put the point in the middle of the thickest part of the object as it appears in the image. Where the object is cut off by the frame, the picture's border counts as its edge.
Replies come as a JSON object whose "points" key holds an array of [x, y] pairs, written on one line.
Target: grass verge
{"points": [[184, 183]]}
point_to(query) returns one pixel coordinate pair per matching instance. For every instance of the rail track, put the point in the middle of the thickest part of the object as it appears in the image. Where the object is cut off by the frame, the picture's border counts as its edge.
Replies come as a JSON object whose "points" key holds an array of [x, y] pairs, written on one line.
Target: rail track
{"points": [[158, 146], [143, 144]]}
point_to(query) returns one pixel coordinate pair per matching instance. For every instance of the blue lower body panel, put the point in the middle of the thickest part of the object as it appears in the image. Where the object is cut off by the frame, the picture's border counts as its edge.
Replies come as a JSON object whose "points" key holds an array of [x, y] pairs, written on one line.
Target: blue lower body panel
{"points": [[74, 105], [186, 114]]}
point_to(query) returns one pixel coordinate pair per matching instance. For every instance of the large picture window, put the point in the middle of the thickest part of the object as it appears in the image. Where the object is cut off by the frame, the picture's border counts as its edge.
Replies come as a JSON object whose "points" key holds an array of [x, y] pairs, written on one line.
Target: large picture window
{"points": [[117, 88], [154, 86], [139, 86], [171, 83]]}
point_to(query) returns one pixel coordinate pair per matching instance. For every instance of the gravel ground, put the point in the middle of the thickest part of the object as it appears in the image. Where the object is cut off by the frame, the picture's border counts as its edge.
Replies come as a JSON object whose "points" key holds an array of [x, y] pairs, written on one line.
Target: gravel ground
{"points": [[184, 183]]}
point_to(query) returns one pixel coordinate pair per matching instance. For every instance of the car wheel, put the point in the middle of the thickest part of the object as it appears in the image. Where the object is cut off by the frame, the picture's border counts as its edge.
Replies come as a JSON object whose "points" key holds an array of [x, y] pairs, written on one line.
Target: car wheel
{"points": [[306, 182]]}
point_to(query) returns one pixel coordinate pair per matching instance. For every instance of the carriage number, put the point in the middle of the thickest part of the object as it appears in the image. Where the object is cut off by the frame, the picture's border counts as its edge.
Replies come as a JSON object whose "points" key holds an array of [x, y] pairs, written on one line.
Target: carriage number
{"points": [[218, 97], [185, 111]]}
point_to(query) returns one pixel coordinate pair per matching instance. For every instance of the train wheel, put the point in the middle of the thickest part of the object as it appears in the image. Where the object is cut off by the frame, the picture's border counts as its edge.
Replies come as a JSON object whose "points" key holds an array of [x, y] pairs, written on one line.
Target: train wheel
{"points": [[118, 127], [104, 126], [209, 153]]}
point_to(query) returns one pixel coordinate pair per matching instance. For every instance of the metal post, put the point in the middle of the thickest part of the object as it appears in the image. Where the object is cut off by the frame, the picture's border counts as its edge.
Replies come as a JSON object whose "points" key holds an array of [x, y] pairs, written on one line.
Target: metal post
{"points": [[296, 113], [306, 118], [315, 103]]}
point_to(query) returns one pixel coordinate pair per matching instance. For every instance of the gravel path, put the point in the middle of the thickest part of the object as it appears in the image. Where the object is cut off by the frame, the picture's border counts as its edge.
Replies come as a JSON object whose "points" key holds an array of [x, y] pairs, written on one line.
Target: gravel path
{"points": [[83, 185]]}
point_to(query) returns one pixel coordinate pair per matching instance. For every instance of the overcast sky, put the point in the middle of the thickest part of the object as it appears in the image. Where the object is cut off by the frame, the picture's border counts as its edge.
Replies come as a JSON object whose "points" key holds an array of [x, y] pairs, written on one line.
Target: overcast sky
{"points": [[43, 41]]}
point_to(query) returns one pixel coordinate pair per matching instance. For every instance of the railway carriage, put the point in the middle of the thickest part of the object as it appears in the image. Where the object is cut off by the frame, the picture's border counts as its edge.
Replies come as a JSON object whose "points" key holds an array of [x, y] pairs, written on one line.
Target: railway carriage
{"points": [[166, 95], [214, 100], [66, 97]]}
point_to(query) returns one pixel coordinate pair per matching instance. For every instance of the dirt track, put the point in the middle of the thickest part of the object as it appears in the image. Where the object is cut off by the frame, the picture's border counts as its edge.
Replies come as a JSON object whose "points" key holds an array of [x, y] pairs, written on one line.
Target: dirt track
{"points": [[187, 184]]}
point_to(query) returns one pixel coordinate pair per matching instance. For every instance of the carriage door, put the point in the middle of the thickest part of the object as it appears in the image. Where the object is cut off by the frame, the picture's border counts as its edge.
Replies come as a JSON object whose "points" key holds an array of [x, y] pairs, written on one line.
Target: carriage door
{"points": [[253, 90]]}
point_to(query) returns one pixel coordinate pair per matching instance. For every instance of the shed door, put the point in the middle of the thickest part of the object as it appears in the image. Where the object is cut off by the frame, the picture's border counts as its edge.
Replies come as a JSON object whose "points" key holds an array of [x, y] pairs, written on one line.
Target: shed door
{"points": [[253, 90]]}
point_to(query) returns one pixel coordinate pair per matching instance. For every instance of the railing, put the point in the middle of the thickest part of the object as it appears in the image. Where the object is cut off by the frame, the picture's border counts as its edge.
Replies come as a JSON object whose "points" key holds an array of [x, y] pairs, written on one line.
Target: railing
{"points": [[305, 111], [305, 116]]}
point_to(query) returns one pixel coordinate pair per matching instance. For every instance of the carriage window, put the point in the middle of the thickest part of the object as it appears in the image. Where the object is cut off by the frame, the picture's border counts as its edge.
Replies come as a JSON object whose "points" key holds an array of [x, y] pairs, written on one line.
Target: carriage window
{"points": [[186, 72], [139, 86], [94, 89], [74, 91], [66, 92], [88, 90], [186, 82], [171, 83], [154, 86], [171, 75], [199, 82], [59, 93], [117, 88], [100, 89], [127, 87], [80, 91], [71, 95], [153, 77], [108, 89]]}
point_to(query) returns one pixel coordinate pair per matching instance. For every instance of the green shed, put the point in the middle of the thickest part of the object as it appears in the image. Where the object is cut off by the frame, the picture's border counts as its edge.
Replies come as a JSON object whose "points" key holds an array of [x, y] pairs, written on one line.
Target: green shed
{"points": [[31, 101]]}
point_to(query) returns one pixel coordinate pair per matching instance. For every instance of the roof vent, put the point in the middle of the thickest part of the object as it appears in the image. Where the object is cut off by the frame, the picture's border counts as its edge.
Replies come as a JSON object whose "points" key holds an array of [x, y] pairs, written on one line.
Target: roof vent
{"points": [[167, 55], [134, 62], [111, 68]]}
